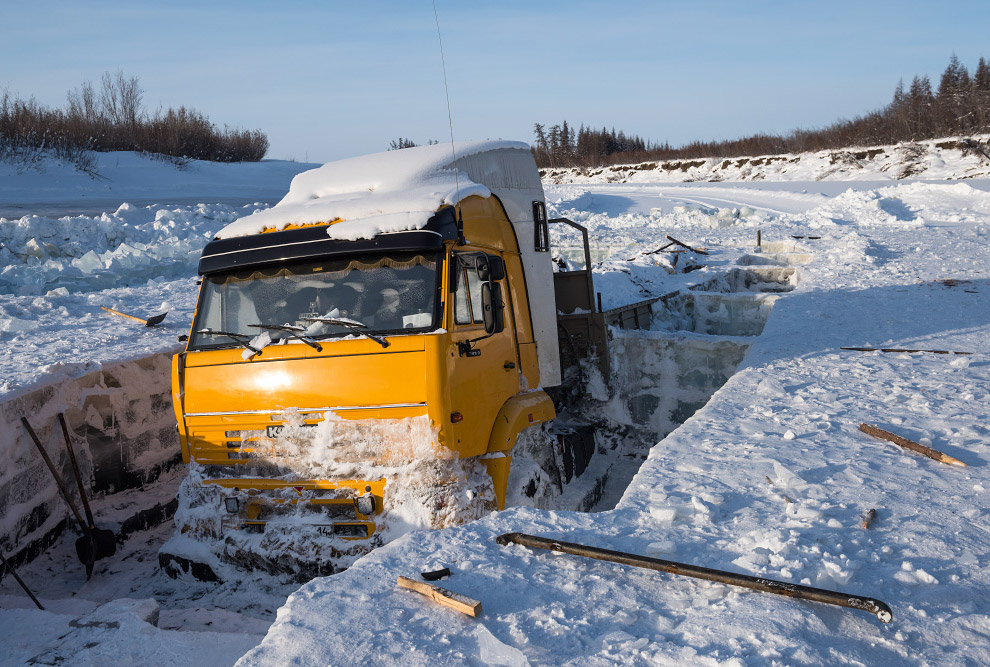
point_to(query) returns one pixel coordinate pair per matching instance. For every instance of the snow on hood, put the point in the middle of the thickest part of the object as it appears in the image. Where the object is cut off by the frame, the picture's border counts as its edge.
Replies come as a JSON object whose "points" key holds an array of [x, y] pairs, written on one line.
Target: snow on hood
{"points": [[373, 194]]}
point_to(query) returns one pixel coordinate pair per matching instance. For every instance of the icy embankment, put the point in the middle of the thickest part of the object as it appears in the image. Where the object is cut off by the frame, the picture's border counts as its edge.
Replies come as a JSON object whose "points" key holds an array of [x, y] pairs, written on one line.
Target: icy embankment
{"points": [[948, 158], [771, 478]]}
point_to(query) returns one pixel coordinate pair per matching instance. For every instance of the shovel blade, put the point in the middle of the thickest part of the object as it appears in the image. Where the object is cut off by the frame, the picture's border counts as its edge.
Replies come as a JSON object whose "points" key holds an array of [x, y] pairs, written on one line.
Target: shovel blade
{"points": [[86, 549], [152, 321], [106, 543]]}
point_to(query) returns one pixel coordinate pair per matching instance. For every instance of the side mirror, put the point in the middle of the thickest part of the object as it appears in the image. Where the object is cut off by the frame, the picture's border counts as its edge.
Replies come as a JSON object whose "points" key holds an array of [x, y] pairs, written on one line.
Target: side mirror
{"points": [[491, 305], [490, 267], [541, 228]]}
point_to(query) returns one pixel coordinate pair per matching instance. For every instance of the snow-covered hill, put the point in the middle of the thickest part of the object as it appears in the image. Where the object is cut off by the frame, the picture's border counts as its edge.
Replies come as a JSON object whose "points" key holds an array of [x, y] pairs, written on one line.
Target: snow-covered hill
{"points": [[949, 158], [50, 185]]}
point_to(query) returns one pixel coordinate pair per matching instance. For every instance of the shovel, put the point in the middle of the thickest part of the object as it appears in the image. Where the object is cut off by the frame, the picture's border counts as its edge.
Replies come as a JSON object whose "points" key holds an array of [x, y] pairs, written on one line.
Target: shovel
{"points": [[150, 322], [87, 547], [102, 542]]}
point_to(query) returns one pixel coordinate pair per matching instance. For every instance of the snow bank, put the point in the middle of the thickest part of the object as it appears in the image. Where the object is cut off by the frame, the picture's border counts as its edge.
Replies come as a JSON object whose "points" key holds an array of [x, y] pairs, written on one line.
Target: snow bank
{"points": [[129, 176], [947, 158], [372, 194]]}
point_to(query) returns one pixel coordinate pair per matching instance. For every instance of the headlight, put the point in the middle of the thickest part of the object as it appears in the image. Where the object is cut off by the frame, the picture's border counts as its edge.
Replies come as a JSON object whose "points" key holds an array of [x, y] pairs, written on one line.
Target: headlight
{"points": [[232, 505], [366, 504]]}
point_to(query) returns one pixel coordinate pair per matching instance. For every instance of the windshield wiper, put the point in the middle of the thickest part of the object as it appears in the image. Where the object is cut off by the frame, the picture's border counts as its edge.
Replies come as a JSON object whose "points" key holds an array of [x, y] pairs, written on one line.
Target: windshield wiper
{"points": [[351, 325], [241, 339], [293, 332]]}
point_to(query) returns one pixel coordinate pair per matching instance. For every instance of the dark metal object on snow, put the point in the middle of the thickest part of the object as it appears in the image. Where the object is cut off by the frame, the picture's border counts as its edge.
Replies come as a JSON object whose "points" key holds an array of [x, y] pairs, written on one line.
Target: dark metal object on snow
{"points": [[10, 568], [872, 605], [436, 574]]}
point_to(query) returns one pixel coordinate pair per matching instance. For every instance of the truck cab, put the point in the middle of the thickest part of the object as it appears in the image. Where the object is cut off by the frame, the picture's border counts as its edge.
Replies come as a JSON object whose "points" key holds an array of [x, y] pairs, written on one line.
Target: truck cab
{"points": [[396, 328]]}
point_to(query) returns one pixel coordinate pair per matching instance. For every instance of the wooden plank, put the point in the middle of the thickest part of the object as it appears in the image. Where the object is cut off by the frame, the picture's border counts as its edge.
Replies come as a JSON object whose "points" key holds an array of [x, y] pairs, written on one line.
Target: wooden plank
{"points": [[685, 245], [442, 596], [910, 444]]}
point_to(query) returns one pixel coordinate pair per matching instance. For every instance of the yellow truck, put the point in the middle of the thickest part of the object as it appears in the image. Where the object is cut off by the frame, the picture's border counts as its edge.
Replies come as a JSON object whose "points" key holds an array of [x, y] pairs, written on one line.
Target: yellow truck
{"points": [[365, 355]]}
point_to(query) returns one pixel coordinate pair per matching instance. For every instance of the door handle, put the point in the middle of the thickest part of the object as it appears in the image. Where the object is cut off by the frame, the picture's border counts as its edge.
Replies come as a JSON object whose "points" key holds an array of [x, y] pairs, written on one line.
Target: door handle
{"points": [[509, 365]]}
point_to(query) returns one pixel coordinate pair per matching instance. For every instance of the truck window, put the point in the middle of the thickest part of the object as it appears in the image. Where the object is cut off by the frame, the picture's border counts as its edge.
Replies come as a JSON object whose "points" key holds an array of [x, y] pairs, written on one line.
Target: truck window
{"points": [[386, 293], [467, 296]]}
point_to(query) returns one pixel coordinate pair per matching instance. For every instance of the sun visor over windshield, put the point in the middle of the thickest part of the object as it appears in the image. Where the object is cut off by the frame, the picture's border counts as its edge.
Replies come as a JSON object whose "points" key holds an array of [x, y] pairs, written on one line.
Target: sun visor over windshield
{"points": [[313, 242]]}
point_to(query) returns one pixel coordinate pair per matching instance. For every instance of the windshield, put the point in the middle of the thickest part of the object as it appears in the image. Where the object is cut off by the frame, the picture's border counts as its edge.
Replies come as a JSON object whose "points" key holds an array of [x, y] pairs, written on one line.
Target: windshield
{"points": [[384, 294]]}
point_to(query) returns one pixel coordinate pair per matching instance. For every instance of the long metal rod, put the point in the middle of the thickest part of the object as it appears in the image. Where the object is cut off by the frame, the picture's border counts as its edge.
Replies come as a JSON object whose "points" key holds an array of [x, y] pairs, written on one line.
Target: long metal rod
{"points": [[10, 568], [872, 605], [58, 478], [75, 469]]}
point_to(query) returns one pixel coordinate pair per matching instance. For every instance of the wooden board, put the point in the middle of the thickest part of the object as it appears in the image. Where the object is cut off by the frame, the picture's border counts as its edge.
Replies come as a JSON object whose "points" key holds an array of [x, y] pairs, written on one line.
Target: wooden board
{"points": [[456, 601]]}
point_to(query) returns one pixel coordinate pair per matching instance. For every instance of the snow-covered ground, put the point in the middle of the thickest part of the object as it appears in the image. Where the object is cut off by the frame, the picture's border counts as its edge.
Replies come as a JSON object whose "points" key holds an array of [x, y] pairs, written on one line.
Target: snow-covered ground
{"points": [[770, 478]]}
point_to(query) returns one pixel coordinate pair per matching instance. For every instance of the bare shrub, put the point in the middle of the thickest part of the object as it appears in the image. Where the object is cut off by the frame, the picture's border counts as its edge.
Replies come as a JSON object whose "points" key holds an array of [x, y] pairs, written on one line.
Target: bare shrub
{"points": [[112, 119]]}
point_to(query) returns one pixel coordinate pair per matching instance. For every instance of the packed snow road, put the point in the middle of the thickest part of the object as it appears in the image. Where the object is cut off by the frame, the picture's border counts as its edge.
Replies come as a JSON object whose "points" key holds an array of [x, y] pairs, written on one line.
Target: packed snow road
{"points": [[771, 478]]}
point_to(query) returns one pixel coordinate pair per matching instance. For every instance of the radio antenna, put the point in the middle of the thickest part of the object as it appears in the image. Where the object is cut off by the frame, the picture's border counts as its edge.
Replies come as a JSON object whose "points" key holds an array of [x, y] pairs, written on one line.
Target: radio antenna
{"points": [[450, 124]]}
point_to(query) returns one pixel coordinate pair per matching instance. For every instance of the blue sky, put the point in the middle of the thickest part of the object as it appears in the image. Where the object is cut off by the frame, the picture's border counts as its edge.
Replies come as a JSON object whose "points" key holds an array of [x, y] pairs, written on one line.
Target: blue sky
{"points": [[332, 79]]}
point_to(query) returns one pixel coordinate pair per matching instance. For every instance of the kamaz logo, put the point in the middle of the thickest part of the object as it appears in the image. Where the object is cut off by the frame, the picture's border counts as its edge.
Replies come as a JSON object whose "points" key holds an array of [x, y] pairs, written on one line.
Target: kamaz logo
{"points": [[275, 430]]}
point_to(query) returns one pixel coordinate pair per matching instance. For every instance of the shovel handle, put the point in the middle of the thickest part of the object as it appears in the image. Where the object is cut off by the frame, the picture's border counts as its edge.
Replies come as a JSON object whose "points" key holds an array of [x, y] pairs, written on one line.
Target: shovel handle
{"points": [[58, 478], [75, 469], [130, 317], [10, 568]]}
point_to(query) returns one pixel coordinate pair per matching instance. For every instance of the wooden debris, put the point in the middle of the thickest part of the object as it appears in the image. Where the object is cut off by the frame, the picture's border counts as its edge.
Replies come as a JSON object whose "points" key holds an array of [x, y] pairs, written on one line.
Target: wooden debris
{"points": [[950, 282], [910, 444], [899, 349], [660, 249], [869, 518], [759, 238], [685, 245], [442, 596]]}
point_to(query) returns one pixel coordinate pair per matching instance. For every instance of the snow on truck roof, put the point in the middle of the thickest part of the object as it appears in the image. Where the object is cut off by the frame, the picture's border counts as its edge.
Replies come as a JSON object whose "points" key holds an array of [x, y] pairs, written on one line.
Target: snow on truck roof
{"points": [[398, 190]]}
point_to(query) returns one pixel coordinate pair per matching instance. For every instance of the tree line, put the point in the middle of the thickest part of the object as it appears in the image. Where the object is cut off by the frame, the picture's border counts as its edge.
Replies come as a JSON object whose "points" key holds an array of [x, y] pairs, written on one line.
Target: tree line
{"points": [[112, 118], [960, 105]]}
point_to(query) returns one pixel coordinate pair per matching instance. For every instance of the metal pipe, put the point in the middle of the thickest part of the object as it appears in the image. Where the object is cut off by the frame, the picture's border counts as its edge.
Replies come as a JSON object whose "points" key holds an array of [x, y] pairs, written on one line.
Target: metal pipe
{"points": [[872, 605]]}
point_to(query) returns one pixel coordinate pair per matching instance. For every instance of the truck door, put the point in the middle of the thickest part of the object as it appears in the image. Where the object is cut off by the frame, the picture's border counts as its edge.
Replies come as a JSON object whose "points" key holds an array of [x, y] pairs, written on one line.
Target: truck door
{"points": [[483, 368]]}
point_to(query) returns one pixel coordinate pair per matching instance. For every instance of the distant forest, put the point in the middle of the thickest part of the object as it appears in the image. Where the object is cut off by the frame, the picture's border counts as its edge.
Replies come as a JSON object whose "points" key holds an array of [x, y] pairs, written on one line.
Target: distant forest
{"points": [[112, 118], [960, 106]]}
